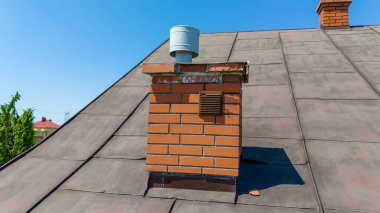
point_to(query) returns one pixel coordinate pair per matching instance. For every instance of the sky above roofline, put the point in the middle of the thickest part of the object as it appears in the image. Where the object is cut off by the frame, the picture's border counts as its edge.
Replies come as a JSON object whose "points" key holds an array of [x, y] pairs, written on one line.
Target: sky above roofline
{"points": [[61, 55]]}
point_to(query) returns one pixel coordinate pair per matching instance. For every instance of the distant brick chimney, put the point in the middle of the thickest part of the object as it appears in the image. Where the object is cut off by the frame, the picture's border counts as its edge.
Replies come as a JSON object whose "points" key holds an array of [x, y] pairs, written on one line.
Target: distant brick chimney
{"points": [[194, 121], [333, 13]]}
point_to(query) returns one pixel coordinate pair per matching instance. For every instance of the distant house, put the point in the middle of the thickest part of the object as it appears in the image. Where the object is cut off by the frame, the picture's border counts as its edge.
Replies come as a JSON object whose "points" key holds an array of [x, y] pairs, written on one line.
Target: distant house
{"points": [[44, 128]]}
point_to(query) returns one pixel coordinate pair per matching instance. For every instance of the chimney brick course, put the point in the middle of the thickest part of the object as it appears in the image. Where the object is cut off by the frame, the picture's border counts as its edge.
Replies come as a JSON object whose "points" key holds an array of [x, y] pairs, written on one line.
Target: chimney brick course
{"points": [[333, 13], [182, 141]]}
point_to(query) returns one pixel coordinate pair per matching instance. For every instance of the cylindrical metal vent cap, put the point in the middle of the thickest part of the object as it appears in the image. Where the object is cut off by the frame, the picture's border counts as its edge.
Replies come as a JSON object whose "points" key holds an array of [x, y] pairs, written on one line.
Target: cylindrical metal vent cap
{"points": [[184, 39]]}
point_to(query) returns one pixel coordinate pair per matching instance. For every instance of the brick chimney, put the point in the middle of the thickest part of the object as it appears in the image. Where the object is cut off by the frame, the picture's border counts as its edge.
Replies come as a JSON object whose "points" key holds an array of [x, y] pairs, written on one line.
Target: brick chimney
{"points": [[194, 131], [333, 13]]}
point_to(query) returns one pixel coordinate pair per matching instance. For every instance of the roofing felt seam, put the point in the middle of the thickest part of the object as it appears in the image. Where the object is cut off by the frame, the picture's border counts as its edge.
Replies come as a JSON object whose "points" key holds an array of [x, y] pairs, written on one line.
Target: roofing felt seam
{"points": [[80, 166], [268, 116], [114, 178], [43, 157], [278, 138], [346, 141], [310, 166], [267, 75], [303, 136], [320, 54], [260, 149], [353, 64], [321, 72], [73, 143], [120, 158], [94, 192], [232, 47], [256, 85], [102, 201], [378, 32]]}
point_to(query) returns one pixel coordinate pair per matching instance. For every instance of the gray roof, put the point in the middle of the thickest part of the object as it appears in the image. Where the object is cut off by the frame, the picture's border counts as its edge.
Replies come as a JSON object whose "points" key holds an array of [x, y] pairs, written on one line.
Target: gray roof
{"points": [[311, 134]]}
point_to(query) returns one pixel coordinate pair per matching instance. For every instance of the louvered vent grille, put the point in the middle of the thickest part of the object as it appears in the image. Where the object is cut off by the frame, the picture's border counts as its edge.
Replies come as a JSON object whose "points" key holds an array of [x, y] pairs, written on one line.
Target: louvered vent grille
{"points": [[210, 102]]}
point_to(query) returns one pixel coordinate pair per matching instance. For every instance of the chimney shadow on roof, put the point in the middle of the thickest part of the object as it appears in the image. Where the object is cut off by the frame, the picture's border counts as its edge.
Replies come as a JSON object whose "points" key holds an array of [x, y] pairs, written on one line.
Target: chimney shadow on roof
{"points": [[262, 168]]}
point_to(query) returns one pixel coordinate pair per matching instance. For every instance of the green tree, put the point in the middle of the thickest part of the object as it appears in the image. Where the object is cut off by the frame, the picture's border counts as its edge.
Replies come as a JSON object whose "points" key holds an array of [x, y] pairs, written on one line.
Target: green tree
{"points": [[16, 132]]}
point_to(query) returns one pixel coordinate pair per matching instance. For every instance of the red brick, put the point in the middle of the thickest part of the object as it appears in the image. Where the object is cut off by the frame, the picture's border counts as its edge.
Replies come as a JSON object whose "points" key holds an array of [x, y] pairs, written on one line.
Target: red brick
{"points": [[197, 140], [165, 79], [184, 108], [223, 172], [197, 119], [227, 163], [231, 79], [165, 98], [231, 109], [186, 170], [231, 98], [342, 8], [342, 21], [232, 88], [162, 159], [329, 14], [195, 161], [158, 128], [152, 168], [222, 130], [186, 129], [159, 88], [227, 141], [329, 22], [157, 149], [192, 67], [190, 98], [163, 118], [329, 9], [187, 88], [228, 119], [185, 150], [335, 4], [158, 68], [163, 139], [158, 108], [336, 24], [334, 18], [221, 151]]}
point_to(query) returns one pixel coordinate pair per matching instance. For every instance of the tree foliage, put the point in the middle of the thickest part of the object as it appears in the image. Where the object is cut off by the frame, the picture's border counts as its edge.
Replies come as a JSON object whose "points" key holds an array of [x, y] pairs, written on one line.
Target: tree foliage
{"points": [[16, 132]]}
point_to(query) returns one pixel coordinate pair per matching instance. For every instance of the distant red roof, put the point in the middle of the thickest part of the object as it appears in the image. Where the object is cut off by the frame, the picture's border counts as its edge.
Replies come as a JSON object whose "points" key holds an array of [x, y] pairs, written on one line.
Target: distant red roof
{"points": [[46, 124]]}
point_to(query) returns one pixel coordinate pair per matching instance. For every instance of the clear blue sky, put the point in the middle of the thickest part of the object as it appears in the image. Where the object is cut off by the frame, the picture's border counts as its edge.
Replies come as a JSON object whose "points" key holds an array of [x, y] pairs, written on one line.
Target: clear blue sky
{"points": [[60, 55]]}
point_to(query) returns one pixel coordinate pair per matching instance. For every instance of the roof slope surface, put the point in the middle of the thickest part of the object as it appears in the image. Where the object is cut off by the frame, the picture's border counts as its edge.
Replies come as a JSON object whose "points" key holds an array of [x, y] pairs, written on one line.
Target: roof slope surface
{"points": [[311, 134]]}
